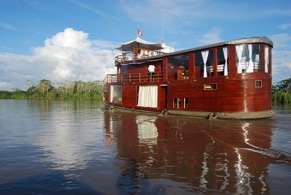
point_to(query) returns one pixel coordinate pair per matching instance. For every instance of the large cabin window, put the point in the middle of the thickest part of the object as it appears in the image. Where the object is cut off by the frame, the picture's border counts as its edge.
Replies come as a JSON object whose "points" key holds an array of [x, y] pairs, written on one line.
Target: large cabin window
{"points": [[178, 67], [248, 58], [148, 96], [199, 65], [209, 63], [255, 57], [267, 61], [204, 63], [116, 94], [222, 61]]}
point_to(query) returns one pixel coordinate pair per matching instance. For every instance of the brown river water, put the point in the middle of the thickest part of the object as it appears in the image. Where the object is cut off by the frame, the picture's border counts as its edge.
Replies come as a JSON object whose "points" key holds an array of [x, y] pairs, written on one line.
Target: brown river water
{"points": [[67, 147]]}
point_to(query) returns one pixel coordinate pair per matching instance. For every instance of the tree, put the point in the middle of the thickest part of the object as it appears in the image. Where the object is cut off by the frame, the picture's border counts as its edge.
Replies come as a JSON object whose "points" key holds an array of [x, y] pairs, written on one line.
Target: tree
{"points": [[44, 86]]}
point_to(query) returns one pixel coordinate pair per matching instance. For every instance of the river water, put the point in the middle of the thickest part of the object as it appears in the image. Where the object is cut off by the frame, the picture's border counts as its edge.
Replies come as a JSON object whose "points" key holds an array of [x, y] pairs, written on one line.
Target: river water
{"points": [[67, 147]]}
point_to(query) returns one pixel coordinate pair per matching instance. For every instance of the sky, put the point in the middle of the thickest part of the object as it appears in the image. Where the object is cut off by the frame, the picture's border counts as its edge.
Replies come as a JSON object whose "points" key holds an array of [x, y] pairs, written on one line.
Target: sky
{"points": [[72, 40]]}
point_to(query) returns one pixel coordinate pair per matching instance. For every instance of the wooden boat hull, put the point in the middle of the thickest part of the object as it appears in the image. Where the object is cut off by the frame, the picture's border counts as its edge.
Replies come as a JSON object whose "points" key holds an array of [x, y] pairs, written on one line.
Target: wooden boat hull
{"points": [[206, 115]]}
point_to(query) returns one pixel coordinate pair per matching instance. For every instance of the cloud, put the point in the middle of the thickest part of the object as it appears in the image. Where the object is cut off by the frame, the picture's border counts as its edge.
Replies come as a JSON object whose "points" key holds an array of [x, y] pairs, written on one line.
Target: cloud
{"points": [[282, 41], [284, 26], [87, 7], [211, 37], [7, 26], [281, 57], [69, 55], [281, 65]]}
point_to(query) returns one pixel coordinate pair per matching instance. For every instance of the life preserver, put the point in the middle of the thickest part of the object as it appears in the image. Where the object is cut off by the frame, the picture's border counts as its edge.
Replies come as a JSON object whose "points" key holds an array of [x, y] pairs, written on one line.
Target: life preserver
{"points": [[212, 116], [164, 112]]}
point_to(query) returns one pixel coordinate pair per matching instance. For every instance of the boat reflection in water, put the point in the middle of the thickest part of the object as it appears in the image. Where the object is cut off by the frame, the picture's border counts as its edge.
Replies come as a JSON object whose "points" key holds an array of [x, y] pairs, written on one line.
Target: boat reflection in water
{"points": [[170, 154]]}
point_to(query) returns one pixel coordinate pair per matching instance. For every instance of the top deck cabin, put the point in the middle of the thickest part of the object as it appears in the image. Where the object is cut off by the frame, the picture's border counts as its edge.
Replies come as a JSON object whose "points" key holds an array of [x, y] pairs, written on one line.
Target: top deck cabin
{"points": [[225, 59]]}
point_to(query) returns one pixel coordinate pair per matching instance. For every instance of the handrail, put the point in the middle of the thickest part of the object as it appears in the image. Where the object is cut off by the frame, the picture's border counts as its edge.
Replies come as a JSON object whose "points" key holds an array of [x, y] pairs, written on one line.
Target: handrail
{"points": [[134, 77], [142, 53], [142, 77], [110, 78], [137, 53]]}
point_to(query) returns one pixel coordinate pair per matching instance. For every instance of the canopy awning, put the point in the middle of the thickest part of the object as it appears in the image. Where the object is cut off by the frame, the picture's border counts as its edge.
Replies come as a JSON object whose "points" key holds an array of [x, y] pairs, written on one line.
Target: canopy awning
{"points": [[139, 43]]}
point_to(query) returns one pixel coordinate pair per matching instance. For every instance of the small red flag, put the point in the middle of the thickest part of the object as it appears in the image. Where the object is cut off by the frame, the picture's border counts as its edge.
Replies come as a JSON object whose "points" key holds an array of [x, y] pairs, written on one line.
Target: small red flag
{"points": [[139, 33]]}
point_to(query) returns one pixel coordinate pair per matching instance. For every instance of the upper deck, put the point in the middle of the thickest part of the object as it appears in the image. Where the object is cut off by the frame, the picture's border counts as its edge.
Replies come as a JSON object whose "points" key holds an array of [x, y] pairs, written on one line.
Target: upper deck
{"points": [[224, 59]]}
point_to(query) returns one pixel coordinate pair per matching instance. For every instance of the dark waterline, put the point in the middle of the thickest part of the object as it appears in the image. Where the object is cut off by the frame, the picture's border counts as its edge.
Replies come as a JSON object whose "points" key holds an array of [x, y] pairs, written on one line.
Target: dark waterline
{"points": [[67, 147]]}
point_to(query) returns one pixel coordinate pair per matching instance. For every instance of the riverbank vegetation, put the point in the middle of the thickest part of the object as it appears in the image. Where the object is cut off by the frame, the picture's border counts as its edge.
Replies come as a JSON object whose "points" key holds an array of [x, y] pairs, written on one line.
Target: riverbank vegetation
{"points": [[282, 92], [76, 90], [79, 90]]}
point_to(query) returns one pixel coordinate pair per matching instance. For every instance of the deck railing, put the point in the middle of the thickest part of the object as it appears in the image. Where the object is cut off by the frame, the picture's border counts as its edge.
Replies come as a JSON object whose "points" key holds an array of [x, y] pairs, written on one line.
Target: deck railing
{"points": [[138, 53], [134, 77], [142, 77], [110, 78]]}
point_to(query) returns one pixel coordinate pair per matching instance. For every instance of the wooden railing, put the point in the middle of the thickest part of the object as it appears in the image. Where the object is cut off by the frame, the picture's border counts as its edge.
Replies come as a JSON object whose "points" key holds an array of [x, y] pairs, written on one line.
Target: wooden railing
{"points": [[110, 78], [134, 77], [137, 53], [142, 77]]}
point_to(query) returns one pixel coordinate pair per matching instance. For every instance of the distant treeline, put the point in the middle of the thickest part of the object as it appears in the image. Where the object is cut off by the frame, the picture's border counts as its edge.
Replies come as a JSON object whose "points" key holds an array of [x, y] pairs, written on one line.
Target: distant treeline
{"points": [[69, 90], [282, 92]]}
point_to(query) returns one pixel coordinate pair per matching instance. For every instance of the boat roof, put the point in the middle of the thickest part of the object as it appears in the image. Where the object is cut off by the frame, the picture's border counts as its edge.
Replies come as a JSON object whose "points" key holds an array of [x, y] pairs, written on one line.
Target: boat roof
{"points": [[264, 39], [139, 43]]}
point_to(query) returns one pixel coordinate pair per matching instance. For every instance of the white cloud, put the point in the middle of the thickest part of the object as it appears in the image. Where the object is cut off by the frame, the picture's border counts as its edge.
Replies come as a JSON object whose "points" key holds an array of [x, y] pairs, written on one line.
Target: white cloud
{"points": [[211, 37], [281, 41], [281, 65], [281, 57], [69, 55], [7, 26], [87, 7], [3, 85], [284, 26]]}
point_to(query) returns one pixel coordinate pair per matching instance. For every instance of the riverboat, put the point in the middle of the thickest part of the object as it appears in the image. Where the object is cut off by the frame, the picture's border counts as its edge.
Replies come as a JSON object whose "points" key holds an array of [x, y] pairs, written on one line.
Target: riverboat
{"points": [[230, 79]]}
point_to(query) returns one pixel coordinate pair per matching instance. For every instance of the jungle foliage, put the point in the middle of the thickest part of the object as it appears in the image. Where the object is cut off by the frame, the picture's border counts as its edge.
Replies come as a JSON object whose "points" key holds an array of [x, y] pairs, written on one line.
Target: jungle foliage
{"points": [[69, 90], [282, 92]]}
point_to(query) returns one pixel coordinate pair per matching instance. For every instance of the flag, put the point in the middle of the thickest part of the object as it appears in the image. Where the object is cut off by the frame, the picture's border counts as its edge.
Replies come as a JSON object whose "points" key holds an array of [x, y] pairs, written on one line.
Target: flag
{"points": [[139, 33]]}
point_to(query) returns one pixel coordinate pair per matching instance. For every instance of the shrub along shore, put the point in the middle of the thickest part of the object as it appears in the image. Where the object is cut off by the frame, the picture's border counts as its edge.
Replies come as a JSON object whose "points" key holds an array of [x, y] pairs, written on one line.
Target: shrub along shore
{"points": [[281, 92], [69, 90]]}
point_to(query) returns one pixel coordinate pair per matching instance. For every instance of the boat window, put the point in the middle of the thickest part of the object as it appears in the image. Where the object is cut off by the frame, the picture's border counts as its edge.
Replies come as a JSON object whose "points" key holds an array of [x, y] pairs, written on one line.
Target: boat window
{"points": [[258, 83], [222, 61], [210, 63], [267, 61], [180, 103], [211, 86], [185, 103], [199, 65], [255, 57], [176, 103], [247, 58], [116, 94], [178, 66], [204, 63], [148, 96]]}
